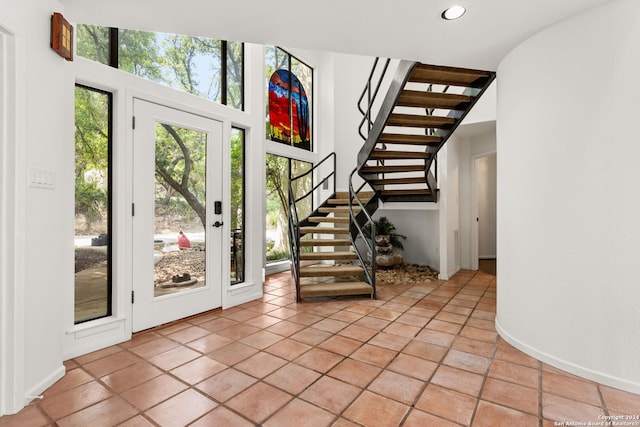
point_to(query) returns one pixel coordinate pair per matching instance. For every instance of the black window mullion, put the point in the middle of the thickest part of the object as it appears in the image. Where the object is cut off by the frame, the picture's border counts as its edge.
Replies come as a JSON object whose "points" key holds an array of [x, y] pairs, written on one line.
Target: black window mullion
{"points": [[242, 79], [223, 71], [290, 102], [114, 44]]}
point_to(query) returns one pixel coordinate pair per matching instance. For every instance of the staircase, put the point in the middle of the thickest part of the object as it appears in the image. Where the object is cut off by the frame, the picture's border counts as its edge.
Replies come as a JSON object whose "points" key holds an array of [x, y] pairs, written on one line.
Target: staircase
{"points": [[398, 163], [334, 268], [422, 108]]}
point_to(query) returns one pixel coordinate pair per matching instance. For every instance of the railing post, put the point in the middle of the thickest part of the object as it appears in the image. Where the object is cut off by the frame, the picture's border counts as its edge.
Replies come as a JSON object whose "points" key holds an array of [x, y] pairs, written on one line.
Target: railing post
{"points": [[358, 232]]}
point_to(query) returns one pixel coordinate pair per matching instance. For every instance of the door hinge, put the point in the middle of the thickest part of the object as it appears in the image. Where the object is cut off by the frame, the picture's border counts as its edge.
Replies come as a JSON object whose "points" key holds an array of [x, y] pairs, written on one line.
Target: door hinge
{"points": [[133, 122], [133, 209], [133, 297]]}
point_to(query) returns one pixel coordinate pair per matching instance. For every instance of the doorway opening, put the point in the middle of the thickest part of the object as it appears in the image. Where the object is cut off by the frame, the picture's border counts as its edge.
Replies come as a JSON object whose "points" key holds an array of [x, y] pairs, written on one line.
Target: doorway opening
{"points": [[485, 184]]}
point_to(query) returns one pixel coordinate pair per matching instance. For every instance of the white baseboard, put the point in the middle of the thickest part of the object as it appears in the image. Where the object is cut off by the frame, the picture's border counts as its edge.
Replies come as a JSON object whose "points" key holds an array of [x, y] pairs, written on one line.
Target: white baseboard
{"points": [[447, 276], [277, 267], [35, 391], [581, 371]]}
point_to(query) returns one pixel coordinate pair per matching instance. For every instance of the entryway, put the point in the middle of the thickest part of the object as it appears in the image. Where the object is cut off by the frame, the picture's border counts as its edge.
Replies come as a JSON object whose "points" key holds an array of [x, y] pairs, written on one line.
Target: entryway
{"points": [[485, 196], [178, 226]]}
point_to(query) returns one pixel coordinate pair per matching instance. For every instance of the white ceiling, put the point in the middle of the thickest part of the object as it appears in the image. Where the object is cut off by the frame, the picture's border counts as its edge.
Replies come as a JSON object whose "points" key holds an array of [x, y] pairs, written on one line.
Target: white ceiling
{"points": [[405, 29]]}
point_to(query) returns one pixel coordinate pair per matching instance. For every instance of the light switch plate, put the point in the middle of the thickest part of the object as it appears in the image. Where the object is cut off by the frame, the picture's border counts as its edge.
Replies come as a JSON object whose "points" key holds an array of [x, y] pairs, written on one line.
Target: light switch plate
{"points": [[42, 178]]}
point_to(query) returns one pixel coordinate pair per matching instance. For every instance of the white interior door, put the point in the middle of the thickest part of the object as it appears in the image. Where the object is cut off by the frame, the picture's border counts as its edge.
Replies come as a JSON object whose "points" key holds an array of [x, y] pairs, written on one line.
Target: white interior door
{"points": [[177, 214]]}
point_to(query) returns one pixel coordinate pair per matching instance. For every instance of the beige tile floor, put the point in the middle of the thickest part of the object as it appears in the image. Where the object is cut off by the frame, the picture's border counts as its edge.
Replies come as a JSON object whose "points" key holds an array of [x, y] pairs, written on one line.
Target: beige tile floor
{"points": [[423, 354]]}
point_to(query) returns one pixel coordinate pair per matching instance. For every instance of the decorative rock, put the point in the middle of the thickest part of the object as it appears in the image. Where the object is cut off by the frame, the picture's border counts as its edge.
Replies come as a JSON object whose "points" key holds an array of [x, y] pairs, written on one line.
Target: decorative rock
{"points": [[406, 274], [389, 260]]}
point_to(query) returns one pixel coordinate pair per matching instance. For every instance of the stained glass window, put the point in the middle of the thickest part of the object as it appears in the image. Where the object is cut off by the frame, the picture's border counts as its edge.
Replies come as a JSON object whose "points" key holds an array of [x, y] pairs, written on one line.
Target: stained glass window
{"points": [[289, 103]]}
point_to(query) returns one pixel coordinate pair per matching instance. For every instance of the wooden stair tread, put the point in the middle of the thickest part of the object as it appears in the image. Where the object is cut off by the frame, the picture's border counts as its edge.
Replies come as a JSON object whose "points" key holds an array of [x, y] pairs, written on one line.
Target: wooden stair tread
{"points": [[392, 154], [345, 201], [411, 120], [339, 209], [448, 76], [416, 98], [334, 219], [325, 242], [405, 192], [398, 181], [409, 139], [391, 169], [326, 270], [319, 256], [361, 194], [335, 289], [323, 230]]}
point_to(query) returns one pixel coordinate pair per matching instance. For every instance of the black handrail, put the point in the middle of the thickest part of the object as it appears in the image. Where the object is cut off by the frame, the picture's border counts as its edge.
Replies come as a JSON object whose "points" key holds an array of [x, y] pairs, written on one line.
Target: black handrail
{"points": [[294, 220], [330, 155], [370, 244], [387, 105], [371, 96], [294, 242]]}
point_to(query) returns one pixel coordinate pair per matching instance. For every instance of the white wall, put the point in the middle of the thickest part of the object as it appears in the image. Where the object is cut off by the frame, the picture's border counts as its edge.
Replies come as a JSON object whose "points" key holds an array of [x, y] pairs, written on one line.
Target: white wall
{"points": [[485, 109], [486, 182], [422, 230], [43, 136], [350, 76], [568, 232]]}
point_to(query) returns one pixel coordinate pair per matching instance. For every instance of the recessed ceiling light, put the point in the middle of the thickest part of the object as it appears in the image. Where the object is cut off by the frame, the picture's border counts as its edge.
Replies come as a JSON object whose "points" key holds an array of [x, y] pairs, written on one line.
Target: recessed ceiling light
{"points": [[454, 12]]}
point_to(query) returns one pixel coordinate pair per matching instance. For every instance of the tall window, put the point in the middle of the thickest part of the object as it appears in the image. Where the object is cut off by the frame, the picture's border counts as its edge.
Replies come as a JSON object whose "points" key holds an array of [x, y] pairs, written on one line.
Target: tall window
{"points": [[279, 171], [93, 241], [237, 205], [290, 96], [211, 69]]}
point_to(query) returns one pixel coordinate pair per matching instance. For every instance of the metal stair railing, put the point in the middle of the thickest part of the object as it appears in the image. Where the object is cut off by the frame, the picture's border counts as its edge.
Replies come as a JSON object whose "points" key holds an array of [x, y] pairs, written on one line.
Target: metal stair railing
{"points": [[294, 241], [371, 95], [431, 165], [386, 108], [357, 221], [293, 218]]}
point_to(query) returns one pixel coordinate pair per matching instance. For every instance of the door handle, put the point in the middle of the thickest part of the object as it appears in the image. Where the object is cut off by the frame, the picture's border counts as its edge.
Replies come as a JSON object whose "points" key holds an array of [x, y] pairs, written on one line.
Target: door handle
{"points": [[217, 224]]}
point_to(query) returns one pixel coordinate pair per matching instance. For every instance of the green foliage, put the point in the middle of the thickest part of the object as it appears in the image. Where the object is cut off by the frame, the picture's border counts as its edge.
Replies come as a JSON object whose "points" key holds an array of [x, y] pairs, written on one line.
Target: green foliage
{"points": [[93, 43], [274, 254], [91, 153], [385, 227], [139, 54], [181, 167], [90, 200], [179, 59], [191, 64], [234, 74], [92, 128], [237, 177]]}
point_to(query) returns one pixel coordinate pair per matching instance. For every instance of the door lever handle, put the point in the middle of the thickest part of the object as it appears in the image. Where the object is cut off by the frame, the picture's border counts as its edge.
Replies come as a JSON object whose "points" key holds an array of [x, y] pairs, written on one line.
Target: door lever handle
{"points": [[217, 224]]}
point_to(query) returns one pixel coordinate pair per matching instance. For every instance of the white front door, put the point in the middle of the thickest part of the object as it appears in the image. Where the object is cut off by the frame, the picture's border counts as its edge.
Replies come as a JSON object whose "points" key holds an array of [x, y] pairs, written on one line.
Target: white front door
{"points": [[177, 214]]}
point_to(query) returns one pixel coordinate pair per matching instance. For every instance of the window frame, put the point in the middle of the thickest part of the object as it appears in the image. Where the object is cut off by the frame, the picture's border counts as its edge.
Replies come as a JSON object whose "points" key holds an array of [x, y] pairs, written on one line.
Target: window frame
{"points": [[242, 205], [110, 210], [290, 159], [268, 136], [114, 62]]}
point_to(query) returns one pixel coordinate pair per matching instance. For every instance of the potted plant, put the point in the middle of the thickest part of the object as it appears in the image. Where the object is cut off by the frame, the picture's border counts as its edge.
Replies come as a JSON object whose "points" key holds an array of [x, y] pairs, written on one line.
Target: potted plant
{"points": [[386, 233], [386, 239]]}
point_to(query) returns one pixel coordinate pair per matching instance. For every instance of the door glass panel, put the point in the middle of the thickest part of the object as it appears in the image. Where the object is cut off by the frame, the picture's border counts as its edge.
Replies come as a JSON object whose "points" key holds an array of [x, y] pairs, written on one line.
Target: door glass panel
{"points": [[180, 213]]}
